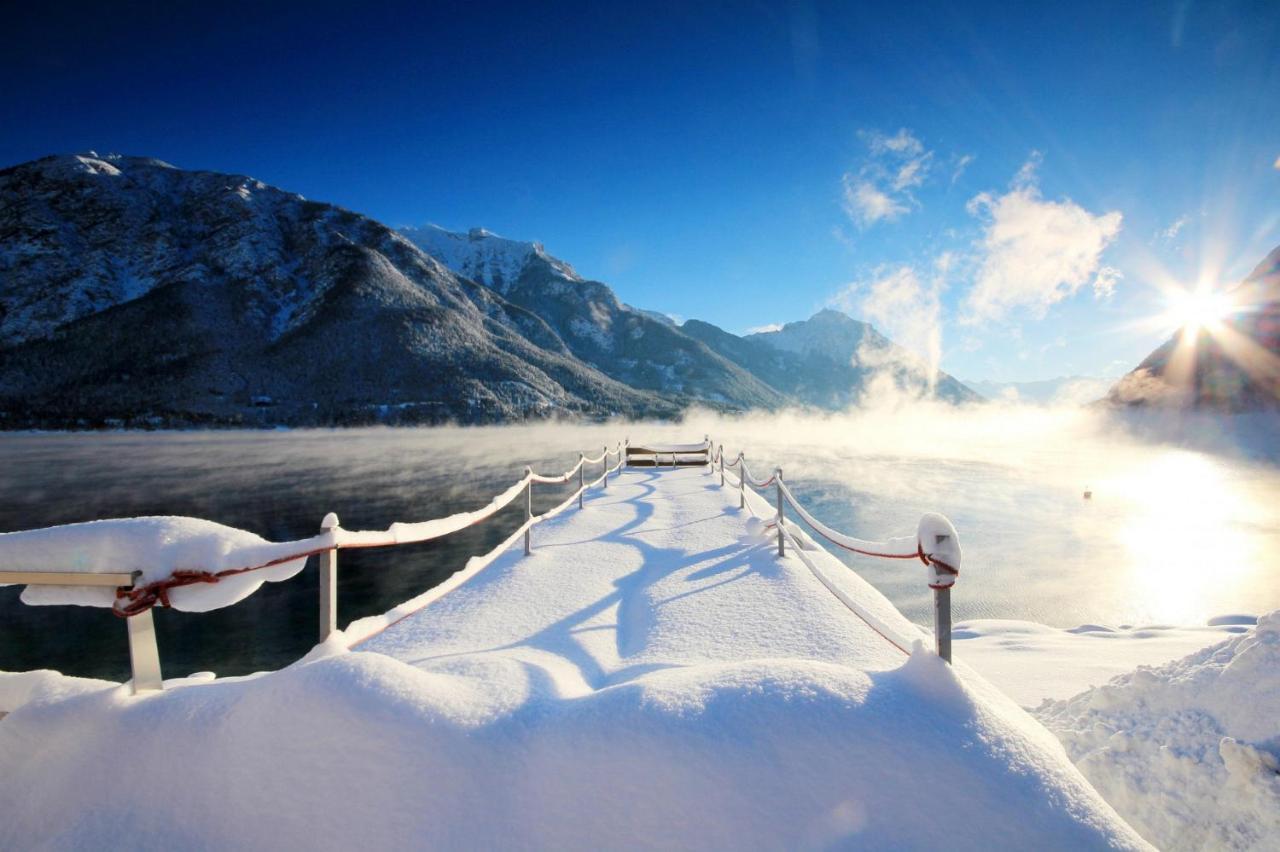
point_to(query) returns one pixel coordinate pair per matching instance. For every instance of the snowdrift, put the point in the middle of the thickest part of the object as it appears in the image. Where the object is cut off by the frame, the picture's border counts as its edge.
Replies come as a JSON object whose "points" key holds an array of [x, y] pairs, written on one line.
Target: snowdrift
{"points": [[1188, 752], [361, 750]]}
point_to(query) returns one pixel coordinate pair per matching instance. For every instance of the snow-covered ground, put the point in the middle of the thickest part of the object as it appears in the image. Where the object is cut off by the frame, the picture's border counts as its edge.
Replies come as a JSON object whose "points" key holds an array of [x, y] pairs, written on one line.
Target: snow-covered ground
{"points": [[1032, 662], [1179, 728], [653, 676], [1187, 751]]}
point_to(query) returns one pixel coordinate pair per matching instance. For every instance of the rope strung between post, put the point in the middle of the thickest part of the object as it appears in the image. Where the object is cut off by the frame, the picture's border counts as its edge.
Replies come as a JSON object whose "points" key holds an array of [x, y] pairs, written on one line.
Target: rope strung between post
{"points": [[751, 480], [877, 626], [132, 601], [935, 544], [899, 548]]}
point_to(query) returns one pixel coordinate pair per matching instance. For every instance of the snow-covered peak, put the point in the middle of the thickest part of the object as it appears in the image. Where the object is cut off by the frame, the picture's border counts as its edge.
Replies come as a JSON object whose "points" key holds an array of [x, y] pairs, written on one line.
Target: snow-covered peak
{"points": [[828, 332], [483, 256]]}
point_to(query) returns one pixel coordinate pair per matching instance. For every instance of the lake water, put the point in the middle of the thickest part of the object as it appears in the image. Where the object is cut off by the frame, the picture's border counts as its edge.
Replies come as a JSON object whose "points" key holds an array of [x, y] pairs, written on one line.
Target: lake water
{"points": [[1171, 535]]}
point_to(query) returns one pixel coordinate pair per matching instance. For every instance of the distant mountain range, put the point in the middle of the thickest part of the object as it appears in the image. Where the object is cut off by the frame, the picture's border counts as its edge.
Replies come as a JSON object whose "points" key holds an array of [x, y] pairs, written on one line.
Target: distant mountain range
{"points": [[1063, 390], [1231, 366], [136, 293]]}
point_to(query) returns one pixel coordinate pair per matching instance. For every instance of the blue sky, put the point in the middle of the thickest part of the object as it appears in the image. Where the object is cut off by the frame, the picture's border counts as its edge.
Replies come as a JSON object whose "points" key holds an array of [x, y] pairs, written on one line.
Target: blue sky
{"points": [[1000, 187]]}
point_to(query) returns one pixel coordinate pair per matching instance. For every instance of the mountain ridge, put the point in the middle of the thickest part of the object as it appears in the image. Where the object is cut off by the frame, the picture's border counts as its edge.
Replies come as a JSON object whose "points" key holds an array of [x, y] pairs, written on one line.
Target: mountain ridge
{"points": [[139, 293]]}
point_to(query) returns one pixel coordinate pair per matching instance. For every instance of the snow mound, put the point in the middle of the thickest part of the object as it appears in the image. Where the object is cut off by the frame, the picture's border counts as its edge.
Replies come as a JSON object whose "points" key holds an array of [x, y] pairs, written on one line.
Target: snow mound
{"points": [[366, 751], [1187, 752], [1032, 662], [156, 546]]}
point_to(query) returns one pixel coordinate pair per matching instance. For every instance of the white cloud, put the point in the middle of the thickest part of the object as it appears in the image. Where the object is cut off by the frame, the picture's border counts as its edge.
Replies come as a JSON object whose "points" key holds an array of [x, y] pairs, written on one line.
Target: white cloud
{"points": [[1170, 233], [959, 164], [1104, 283], [1034, 252], [762, 329], [880, 190], [866, 204], [907, 308]]}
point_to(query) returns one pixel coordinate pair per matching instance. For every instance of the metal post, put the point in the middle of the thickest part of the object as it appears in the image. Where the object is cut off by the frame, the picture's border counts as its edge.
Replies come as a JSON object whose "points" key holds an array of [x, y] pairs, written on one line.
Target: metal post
{"points": [[942, 621], [742, 481], [144, 653], [328, 582], [606, 467], [582, 465], [720, 455], [782, 548], [528, 512]]}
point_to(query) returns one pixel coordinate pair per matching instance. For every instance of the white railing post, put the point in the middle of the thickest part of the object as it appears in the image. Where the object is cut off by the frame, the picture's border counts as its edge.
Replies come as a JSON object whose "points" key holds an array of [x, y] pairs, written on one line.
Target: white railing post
{"points": [[940, 544], [528, 512], [942, 621], [782, 548], [606, 467], [328, 582], [742, 480], [582, 481], [720, 456], [144, 653]]}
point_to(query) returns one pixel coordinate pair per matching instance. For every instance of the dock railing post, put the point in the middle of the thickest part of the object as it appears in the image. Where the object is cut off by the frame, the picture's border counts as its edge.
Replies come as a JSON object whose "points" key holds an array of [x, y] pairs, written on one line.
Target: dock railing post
{"points": [[328, 582], [144, 653], [782, 548], [606, 467], [582, 464], [742, 480], [720, 455], [528, 512], [942, 621], [939, 544]]}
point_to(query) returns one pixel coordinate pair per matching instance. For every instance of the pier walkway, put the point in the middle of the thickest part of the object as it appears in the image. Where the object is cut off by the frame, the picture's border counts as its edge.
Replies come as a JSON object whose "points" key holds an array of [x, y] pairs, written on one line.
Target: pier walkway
{"points": [[661, 570]]}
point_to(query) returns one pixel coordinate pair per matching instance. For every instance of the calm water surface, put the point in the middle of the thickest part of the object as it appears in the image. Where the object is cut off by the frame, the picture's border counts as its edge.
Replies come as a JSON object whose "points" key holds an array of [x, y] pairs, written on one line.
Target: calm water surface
{"points": [[1170, 535]]}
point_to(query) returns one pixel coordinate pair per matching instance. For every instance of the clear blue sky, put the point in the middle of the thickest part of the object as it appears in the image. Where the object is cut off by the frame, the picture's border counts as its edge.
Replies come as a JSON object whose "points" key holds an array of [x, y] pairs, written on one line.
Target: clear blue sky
{"points": [[741, 163]]}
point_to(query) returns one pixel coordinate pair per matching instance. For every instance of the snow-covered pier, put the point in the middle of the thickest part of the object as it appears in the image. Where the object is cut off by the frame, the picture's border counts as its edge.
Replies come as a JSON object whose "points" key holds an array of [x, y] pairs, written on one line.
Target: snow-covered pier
{"points": [[664, 667]]}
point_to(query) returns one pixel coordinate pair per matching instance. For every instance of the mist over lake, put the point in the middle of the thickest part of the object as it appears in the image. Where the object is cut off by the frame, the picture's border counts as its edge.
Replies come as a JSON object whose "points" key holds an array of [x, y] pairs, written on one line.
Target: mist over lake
{"points": [[1171, 535]]}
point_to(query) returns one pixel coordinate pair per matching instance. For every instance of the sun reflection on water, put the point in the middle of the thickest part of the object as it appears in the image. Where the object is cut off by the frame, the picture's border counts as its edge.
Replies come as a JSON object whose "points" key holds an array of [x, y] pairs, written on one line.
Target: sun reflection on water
{"points": [[1183, 511]]}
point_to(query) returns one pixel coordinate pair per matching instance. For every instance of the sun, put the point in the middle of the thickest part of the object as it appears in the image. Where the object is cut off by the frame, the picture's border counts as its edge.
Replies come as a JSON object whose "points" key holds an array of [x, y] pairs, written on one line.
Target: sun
{"points": [[1196, 309]]}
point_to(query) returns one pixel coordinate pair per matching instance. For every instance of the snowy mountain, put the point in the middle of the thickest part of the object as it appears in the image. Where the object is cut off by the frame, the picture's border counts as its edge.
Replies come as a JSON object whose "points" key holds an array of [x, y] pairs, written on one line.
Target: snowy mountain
{"points": [[827, 361], [484, 256], [641, 349], [1232, 367], [137, 292]]}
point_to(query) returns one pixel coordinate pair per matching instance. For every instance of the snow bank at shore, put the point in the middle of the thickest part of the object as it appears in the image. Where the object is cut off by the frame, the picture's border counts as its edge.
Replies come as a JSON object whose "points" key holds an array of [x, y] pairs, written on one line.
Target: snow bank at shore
{"points": [[361, 750], [1188, 752], [1033, 662]]}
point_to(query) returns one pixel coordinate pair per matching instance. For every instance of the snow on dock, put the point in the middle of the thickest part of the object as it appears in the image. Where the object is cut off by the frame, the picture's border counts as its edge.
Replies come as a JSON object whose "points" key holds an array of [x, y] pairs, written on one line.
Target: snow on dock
{"points": [[652, 676]]}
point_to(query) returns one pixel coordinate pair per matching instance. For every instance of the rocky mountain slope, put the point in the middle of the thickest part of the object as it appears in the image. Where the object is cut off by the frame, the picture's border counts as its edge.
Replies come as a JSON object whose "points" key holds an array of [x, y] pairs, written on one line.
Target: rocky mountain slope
{"points": [[638, 348], [133, 292], [137, 292], [1232, 365], [825, 361]]}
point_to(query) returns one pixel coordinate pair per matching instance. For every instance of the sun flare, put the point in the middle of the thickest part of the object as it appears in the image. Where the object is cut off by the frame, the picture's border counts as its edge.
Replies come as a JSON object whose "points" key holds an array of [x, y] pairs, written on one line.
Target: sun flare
{"points": [[1199, 308]]}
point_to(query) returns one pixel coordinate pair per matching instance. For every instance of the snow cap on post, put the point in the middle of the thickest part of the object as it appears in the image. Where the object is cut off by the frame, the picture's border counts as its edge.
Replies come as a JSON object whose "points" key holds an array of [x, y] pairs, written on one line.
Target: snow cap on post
{"points": [[330, 521], [940, 549]]}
